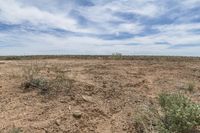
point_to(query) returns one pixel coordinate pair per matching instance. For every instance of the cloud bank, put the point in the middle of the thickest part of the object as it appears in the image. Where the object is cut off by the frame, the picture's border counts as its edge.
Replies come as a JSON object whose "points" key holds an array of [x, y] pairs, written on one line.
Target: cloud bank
{"points": [[131, 27]]}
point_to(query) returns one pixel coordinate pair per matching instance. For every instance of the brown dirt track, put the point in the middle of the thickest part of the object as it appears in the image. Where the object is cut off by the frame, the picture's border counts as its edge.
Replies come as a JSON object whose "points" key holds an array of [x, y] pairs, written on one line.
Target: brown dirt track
{"points": [[106, 92]]}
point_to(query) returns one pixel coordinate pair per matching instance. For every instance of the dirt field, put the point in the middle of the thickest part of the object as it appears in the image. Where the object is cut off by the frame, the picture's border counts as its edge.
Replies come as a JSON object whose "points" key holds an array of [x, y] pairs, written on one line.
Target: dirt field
{"points": [[103, 98]]}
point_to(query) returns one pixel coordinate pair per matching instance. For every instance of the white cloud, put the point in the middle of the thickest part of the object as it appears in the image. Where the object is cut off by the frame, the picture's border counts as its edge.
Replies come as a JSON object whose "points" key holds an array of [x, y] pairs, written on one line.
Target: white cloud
{"points": [[179, 33], [190, 3], [28, 43], [14, 12], [178, 27], [145, 8], [49, 14]]}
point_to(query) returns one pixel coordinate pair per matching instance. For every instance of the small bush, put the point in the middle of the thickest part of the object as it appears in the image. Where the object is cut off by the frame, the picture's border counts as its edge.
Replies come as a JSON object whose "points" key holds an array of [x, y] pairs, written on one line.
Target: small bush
{"points": [[41, 84], [179, 113], [32, 79], [35, 78], [146, 119], [31, 71], [116, 56]]}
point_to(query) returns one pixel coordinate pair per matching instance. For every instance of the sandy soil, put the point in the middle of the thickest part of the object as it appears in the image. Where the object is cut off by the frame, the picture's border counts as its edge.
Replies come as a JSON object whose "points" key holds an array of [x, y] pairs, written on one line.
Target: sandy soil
{"points": [[103, 98]]}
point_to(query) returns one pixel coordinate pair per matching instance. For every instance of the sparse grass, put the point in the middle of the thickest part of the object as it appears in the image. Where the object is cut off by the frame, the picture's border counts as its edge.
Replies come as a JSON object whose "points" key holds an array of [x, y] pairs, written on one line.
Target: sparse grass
{"points": [[61, 82], [188, 87], [15, 130], [146, 120], [191, 87], [34, 78]]}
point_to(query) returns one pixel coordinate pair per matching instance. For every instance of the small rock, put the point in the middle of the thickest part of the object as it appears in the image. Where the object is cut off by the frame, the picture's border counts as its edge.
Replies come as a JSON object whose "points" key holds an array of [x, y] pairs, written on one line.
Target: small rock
{"points": [[63, 128], [77, 114], [58, 122], [87, 98], [2, 62], [70, 108], [63, 101], [196, 94]]}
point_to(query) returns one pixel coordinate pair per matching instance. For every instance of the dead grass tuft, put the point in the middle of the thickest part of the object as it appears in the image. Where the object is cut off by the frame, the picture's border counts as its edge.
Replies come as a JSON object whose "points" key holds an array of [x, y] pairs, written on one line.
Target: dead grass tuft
{"points": [[36, 78]]}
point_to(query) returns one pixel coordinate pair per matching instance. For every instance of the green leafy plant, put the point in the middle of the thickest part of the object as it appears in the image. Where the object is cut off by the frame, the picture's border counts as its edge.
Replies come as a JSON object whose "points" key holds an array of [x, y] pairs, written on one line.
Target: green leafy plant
{"points": [[179, 113]]}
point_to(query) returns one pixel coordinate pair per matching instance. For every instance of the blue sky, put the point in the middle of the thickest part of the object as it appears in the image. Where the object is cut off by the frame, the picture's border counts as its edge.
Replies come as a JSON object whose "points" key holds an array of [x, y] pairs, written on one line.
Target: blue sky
{"points": [[132, 27]]}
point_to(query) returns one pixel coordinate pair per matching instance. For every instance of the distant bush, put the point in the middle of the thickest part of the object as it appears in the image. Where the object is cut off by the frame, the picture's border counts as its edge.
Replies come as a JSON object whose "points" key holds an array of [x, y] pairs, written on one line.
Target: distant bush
{"points": [[12, 58], [116, 56], [179, 113]]}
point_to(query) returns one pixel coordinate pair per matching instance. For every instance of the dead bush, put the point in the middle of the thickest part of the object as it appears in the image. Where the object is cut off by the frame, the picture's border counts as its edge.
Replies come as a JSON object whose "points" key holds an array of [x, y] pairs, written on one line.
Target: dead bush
{"points": [[34, 78], [146, 119]]}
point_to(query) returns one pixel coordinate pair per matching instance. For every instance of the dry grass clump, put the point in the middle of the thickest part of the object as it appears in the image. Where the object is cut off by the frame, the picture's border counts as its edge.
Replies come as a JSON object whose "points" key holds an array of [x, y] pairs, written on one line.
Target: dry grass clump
{"points": [[36, 77], [191, 87], [15, 130], [147, 119]]}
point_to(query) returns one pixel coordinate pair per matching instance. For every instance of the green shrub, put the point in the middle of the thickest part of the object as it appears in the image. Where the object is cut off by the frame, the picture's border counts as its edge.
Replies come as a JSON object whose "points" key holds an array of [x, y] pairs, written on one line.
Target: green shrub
{"points": [[116, 56], [179, 113], [41, 84]]}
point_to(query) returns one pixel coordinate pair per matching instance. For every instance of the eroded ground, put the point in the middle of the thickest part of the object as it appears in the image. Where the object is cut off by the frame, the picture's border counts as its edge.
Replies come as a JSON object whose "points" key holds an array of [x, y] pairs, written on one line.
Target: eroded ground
{"points": [[106, 93]]}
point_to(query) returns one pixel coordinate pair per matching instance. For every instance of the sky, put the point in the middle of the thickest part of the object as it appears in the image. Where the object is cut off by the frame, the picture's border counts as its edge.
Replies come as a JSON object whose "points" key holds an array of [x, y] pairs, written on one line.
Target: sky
{"points": [[100, 27]]}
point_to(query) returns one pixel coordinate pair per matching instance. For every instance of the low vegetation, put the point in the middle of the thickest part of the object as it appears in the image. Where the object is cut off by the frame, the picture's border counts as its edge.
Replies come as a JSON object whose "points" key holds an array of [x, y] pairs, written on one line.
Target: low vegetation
{"points": [[191, 87], [15, 130], [146, 119], [36, 78], [116, 56], [178, 114]]}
